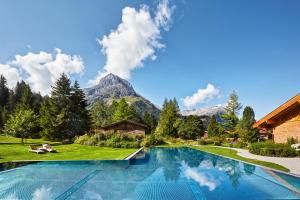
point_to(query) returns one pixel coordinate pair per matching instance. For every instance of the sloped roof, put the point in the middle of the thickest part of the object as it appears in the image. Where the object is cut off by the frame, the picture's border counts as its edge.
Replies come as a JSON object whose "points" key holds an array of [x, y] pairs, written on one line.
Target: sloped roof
{"points": [[123, 122], [278, 111]]}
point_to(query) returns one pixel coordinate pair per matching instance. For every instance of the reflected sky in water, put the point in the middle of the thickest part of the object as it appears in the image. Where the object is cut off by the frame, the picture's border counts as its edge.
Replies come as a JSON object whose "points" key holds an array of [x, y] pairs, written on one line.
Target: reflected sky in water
{"points": [[164, 173]]}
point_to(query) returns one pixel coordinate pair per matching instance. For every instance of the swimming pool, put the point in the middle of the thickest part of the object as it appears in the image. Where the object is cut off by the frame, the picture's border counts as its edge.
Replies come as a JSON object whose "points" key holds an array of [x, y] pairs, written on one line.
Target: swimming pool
{"points": [[164, 173]]}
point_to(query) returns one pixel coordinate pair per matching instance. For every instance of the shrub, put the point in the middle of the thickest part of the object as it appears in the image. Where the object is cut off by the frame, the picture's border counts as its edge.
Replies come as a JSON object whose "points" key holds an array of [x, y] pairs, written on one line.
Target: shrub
{"points": [[211, 141], [240, 145], [152, 140], [292, 140], [272, 149], [111, 140]]}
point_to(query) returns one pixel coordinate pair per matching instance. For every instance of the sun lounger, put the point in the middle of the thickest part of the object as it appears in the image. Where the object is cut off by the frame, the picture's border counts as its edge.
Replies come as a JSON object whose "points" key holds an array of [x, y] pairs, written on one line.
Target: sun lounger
{"points": [[48, 148], [33, 149]]}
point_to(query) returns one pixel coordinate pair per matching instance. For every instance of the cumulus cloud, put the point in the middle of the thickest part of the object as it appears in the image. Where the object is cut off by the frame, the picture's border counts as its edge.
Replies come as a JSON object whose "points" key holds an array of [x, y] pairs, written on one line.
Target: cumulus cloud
{"points": [[201, 96], [11, 74], [42, 69], [202, 179], [136, 39]]}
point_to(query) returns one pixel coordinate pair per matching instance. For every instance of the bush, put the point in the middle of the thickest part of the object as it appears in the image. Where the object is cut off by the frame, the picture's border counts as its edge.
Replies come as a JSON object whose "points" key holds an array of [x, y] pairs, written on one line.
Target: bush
{"points": [[292, 140], [152, 140], [240, 145], [272, 149], [211, 141], [111, 140]]}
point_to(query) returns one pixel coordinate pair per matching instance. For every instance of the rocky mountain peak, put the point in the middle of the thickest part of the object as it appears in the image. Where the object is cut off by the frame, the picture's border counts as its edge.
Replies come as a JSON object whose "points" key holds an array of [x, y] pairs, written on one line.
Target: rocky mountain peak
{"points": [[110, 86]]}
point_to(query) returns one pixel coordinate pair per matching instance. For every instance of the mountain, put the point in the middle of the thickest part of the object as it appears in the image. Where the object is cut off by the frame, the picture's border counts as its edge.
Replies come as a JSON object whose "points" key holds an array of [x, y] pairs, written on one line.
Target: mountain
{"points": [[206, 113], [112, 87], [210, 111]]}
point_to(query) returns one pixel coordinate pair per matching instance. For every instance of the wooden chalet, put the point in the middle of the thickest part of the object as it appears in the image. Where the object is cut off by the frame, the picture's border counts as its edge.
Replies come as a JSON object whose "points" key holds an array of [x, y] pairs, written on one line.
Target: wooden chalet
{"points": [[126, 126], [283, 122]]}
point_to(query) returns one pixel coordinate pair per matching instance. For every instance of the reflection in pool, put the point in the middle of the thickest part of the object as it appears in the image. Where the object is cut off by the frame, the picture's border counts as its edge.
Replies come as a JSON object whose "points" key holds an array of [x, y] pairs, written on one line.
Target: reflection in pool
{"points": [[164, 173]]}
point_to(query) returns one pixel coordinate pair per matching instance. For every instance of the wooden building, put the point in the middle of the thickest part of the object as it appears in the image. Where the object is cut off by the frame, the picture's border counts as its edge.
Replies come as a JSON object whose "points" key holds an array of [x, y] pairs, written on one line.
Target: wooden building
{"points": [[126, 126], [284, 121]]}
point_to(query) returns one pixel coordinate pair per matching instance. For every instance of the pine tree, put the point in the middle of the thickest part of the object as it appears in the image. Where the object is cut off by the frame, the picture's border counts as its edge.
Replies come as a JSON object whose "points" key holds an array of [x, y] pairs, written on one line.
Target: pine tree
{"points": [[121, 110], [80, 116], [4, 92], [230, 118], [168, 116], [245, 127], [190, 127], [150, 121], [56, 111], [4, 100], [100, 114], [213, 127]]}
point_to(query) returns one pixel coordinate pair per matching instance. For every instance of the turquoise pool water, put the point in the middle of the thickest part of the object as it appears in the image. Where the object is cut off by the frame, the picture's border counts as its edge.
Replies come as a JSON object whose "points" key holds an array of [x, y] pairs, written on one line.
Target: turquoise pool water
{"points": [[164, 173]]}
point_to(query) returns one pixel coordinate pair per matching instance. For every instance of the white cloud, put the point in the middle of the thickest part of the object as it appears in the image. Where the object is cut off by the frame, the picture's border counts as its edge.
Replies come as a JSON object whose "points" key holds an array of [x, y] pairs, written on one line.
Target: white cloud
{"points": [[11, 74], [42, 69], [201, 96], [135, 40], [201, 178]]}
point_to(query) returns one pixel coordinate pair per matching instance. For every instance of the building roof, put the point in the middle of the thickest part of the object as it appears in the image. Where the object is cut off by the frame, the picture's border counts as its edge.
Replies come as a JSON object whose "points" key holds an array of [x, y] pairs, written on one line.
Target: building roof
{"points": [[125, 122], [295, 101]]}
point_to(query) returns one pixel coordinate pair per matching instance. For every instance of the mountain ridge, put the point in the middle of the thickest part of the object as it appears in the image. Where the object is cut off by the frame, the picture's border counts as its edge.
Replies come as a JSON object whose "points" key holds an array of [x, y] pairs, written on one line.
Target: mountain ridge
{"points": [[112, 87]]}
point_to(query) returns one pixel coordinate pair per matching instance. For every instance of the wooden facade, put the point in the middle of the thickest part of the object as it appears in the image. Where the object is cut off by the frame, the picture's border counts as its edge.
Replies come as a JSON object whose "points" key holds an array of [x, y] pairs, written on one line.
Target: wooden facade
{"points": [[126, 126], [284, 121]]}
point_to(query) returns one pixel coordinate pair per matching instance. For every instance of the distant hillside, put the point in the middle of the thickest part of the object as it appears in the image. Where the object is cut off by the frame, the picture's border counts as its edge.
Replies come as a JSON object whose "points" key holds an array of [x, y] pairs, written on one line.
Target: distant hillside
{"points": [[206, 113], [113, 87], [210, 111]]}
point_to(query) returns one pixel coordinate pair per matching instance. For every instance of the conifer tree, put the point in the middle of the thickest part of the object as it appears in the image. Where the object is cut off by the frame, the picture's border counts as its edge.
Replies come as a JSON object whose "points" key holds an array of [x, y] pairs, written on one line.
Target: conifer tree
{"points": [[213, 127], [56, 111], [168, 116], [230, 118], [80, 117], [245, 127]]}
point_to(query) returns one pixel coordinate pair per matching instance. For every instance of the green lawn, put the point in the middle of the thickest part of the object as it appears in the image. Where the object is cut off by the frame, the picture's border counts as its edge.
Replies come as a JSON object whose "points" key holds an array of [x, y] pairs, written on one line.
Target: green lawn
{"points": [[12, 149], [233, 154]]}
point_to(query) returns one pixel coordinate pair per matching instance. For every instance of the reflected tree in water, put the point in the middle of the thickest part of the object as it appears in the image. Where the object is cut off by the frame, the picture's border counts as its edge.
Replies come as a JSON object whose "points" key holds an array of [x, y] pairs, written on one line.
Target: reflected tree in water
{"points": [[169, 161], [249, 169]]}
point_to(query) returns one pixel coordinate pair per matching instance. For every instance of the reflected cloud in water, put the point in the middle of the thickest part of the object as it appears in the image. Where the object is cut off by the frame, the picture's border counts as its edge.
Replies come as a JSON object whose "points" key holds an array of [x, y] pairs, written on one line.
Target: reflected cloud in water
{"points": [[202, 178], [42, 193]]}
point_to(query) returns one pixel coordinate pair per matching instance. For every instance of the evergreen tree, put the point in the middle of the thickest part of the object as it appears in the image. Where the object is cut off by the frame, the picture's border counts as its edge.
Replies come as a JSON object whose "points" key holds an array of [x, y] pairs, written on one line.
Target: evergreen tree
{"points": [[4, 92], [150, 121], [230, 118], [190, 127], [56, 115], [100, 114], [233, 106], [80, 118], [213, 127], [4, 100], [168, 116], [22, 123], [246, 132], [121, 110]]}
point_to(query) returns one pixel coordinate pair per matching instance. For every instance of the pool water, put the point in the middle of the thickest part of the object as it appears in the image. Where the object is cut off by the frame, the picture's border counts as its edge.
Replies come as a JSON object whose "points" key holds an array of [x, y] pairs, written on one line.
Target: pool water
{"points": [[162, 174]]}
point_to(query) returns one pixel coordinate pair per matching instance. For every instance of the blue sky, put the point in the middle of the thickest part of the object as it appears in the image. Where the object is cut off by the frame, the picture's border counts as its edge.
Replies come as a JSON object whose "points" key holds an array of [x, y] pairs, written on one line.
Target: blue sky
{"points": [[252, 47]]}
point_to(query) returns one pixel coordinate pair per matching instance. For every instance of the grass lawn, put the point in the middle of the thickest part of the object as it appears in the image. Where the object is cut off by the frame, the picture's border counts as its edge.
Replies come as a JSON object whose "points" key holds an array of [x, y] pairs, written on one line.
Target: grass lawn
{"points": [[12, 149], [233, 154]]}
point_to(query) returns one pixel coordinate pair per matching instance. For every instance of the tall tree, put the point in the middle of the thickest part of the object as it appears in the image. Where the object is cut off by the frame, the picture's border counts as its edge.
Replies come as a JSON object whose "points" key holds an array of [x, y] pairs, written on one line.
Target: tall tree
{"points": [[22, 123], [56, 111], [245, 127], [80, 116], [230, 118], [121, 110], [150, 121], [100, 114], [4, 99], [190, 127], [213, 127], [168, 117]]}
